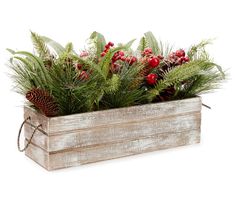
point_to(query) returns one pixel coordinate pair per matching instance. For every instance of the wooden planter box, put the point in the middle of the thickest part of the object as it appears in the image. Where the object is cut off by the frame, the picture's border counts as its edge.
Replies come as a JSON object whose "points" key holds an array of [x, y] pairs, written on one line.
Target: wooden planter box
{"points": [[95, 136]]}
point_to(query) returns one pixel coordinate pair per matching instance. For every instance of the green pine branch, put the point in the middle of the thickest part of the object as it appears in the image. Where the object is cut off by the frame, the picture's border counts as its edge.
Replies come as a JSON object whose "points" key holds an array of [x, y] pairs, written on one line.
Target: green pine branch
{"points": [[152, 42], [177, 75], [40, 46]]}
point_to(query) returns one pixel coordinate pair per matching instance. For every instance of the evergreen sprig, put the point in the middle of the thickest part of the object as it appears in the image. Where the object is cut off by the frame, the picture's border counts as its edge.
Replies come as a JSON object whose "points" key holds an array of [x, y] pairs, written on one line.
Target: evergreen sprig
{"points": [[80, 83]]}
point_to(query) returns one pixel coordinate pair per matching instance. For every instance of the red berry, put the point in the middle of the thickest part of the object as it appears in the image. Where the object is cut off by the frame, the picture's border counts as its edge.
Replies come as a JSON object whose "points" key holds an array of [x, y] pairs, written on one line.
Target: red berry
{"points": [[121, 53], [123, 58], [118, 57], [84, 75], [186, 59], [79, 66], [103, 54], [180, 53], [151, 79], [128, 59], [133, 60], [111, 44], [148, 50], [107, 46], [106, 50], [153, 62]]}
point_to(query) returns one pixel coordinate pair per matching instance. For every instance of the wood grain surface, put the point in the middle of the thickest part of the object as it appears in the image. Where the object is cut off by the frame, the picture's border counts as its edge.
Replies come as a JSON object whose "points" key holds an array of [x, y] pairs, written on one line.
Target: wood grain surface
{"points": [[95, 136]]}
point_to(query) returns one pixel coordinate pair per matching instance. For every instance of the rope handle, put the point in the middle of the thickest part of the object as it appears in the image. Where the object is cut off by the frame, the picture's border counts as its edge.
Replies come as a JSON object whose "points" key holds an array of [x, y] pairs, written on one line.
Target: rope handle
{"points": [[30, 139], [207, 106]]}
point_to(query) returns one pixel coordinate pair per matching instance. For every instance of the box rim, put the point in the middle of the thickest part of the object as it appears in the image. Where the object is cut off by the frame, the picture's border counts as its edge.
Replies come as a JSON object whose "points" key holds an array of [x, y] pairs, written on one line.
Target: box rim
{"points": [[111, 109]]}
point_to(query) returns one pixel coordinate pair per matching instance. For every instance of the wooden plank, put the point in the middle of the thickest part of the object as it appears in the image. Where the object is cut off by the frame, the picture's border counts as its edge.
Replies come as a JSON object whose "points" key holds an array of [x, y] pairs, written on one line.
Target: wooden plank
{"points": [[40, 138], [95, 136], [38, 155], [115, 133], [92, 154], [37, 119], [123, 115]]}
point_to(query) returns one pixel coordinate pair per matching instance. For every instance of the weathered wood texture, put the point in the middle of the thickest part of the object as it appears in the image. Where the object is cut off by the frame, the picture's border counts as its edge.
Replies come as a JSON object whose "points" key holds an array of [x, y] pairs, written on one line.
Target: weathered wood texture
{"points": [[95, 136]]}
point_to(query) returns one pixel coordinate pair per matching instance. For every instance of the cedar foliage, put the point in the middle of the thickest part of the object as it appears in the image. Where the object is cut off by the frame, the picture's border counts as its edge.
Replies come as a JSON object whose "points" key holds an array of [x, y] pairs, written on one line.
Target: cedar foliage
{"points": [[58, 81]]}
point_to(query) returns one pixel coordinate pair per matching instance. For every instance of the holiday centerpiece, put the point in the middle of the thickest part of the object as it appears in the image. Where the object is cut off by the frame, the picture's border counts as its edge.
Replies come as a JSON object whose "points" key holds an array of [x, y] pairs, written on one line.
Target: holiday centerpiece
{"points": [[109, 101]]}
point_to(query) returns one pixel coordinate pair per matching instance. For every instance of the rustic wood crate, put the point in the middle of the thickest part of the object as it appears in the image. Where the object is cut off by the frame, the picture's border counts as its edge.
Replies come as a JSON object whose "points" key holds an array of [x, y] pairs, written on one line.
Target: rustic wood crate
{"points": [[95, 136]]}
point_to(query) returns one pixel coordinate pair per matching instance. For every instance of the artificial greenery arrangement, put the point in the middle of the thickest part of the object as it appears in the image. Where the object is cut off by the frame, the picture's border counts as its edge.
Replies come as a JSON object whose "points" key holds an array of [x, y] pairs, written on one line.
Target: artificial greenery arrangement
{"points": [[58, 81]]}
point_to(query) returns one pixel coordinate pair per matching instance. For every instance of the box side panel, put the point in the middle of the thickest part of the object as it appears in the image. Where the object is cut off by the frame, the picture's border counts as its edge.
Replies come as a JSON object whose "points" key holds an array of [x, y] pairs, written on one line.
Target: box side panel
{"points": [[123, 115], [40, 138], [119, 132], [36, 119], [92, 154], [38, 155]]}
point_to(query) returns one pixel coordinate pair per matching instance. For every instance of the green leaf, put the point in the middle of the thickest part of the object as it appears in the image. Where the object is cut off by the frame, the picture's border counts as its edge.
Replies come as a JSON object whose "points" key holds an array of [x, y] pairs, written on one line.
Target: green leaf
{"points": [[10, 51], [99, 42], [219, 68], [59, 49], [152, 42], [129, 44], [106, 61], [69, 47]]}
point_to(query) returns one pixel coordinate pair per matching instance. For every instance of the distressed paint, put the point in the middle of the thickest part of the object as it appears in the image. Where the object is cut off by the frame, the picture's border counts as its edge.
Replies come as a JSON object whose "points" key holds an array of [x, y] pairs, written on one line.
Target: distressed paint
{"points": [[95, 136]]}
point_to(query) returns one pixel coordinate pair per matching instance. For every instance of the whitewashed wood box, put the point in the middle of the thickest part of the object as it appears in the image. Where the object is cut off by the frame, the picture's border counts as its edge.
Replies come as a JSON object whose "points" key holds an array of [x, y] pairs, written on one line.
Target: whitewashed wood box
{"points": [[78, 139]]}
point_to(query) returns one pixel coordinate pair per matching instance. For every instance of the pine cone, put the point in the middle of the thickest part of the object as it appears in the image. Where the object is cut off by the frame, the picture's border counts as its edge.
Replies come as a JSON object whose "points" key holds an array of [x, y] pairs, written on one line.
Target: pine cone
{"points": [[166, 95], [140, 77], [43, 101]]}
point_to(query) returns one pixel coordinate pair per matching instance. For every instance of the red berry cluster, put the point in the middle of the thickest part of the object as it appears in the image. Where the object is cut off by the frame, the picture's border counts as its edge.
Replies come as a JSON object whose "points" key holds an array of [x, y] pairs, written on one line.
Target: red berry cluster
{"points": [[178, 57], [147, 52], [131, 60], [152, 60], [107, 47], [83, 74], [119, 55]]}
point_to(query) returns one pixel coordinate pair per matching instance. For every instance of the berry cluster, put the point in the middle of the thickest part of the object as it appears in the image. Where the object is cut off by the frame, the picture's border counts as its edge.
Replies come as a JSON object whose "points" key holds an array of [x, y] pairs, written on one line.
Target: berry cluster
{"points": [[178, 57], [152, 60], [131, 60], [82, 74], [147, 52], [107, 47], [119, 55]]}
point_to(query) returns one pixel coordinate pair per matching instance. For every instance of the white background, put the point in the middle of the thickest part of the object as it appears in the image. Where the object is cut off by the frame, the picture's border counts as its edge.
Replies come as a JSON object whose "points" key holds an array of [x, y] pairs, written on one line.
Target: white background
{"points": [[207, 169]]}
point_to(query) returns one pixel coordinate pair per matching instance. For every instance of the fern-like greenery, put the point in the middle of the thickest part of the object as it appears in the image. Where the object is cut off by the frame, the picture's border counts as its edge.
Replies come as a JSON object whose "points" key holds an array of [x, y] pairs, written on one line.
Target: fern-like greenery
{"points": [[117, 78], [40, 46], [189, 79], [125, 95]]}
